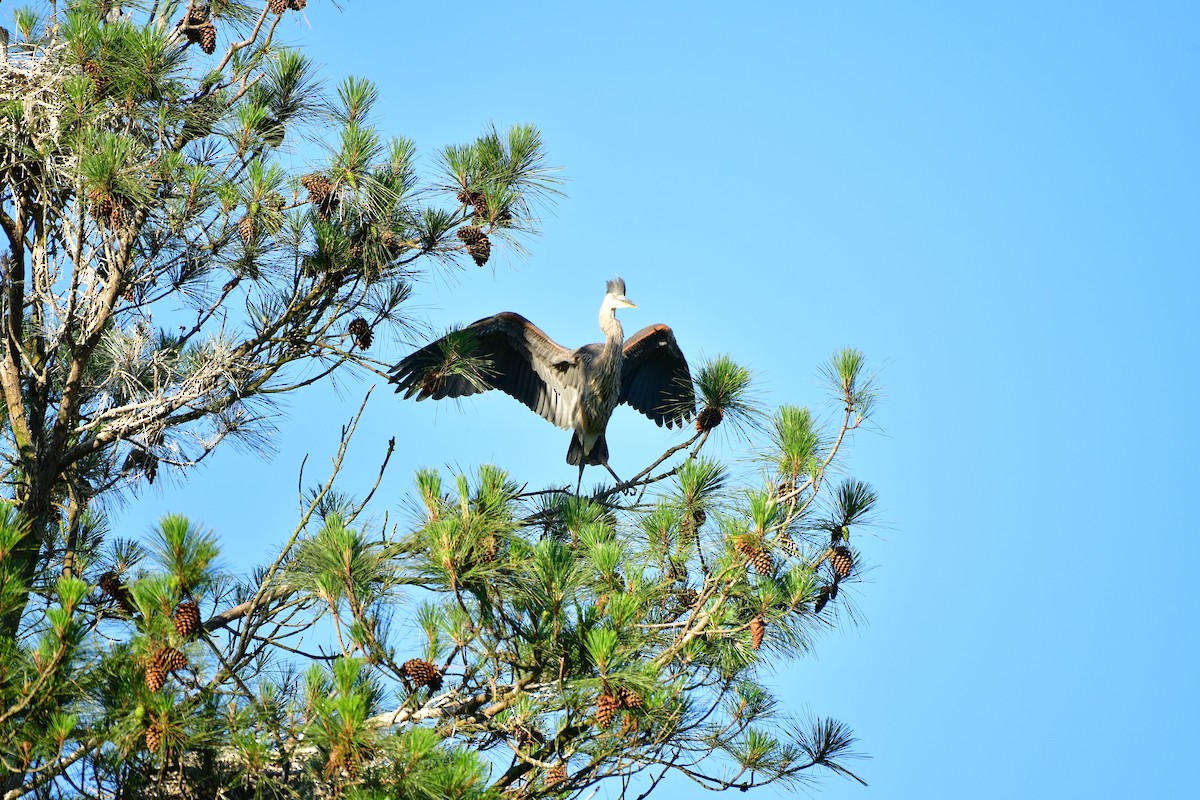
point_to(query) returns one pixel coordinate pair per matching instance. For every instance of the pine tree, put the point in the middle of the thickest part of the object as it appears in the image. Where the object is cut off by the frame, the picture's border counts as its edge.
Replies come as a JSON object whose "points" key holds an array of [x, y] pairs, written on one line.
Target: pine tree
{"points": [[529, 618]]}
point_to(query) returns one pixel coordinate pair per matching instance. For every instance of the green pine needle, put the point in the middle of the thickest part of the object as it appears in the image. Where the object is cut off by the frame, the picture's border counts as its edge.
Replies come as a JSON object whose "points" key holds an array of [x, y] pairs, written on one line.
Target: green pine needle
{"points": [[726, 385], [796, 441]]}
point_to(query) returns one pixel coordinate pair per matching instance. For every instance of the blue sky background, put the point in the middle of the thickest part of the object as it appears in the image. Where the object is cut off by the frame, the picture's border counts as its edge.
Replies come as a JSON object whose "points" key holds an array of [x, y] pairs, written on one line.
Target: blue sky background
{"points": [[998, 203]]}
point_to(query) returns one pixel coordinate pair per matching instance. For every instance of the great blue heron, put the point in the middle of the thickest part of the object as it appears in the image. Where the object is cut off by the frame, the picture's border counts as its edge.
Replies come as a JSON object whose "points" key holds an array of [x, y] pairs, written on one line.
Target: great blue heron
{"points": [[575, 389]]}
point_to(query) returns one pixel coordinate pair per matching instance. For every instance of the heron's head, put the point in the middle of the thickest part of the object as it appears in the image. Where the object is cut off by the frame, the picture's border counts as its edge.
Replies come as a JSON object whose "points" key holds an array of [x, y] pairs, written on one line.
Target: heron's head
{"points": [[615, 298]]}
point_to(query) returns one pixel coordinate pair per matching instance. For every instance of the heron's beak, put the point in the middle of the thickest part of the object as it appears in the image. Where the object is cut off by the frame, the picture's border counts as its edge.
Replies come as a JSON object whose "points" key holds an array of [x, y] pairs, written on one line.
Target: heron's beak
{"points": [[625, 302]]}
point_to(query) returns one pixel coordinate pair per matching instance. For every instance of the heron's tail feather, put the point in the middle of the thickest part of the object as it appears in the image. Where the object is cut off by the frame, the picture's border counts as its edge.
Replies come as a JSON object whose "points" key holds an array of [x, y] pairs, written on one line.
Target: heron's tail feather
{"points": [[598, 456], [575, 451]]}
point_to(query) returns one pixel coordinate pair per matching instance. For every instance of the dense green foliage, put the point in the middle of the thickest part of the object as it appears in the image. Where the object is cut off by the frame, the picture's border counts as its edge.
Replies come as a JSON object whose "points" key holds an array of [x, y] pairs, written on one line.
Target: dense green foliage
{"points": [[168, 272]]}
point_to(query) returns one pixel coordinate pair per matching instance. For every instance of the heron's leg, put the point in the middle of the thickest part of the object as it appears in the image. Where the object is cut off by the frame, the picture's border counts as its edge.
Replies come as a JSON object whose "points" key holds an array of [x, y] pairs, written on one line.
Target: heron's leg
{"points": [[579, 483], [616, 477]]}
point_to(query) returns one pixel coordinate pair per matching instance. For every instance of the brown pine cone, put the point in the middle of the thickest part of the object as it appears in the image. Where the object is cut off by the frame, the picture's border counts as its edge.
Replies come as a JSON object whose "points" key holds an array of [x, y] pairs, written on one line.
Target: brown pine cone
{"points": [[630, 699], [170, 659], [277, 7], [606, 708], [153, 738], [297, 5], [479, 247], [842, 561], [156, 675], [758, 629], [423, 673], [208, 38], [709, 418], [756, 554], [186, 619], [247, 229], [556, 774], [361, 331], [110, 584]]}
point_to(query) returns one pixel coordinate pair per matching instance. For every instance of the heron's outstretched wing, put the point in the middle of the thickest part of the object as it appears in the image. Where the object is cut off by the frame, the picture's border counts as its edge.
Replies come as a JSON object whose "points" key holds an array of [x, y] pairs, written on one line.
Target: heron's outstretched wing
{"points": [[505, 352], [655, 378]]}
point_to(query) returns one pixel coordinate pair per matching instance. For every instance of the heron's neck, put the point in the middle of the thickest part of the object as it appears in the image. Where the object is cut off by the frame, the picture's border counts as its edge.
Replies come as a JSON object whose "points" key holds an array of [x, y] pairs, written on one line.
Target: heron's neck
{"points": [[613, 333]]}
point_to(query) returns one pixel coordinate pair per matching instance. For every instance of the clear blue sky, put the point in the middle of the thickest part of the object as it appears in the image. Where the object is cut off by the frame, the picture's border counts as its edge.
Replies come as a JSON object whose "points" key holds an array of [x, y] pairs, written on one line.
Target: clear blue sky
{"points": [[997, 202]]}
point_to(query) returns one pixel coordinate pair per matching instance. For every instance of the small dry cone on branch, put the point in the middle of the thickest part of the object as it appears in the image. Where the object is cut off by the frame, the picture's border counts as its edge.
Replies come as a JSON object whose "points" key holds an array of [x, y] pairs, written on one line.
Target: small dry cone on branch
{"points": [[607, 706], [321, 194], [479, 247], [171, 659], [630, 699], [297, 5], [186, 619], [277, 7], [556, 774], [523, 735], [208, 38], [842, 561], [104, 209], [96, 72], [156, 674], [751, 547], [422, 673], [758, 629], [153, 738], [360, 329], [709, 418], [110, 584], [247, 229]]}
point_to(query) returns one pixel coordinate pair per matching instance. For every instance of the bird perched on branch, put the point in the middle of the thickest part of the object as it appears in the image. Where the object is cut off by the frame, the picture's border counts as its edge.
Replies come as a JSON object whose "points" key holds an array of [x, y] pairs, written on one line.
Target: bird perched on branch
{"points": [[576, 389]]}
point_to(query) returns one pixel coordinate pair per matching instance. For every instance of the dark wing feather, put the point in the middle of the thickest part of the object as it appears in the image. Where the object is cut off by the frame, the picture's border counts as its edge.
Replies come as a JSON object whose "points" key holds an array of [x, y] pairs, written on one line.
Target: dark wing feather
{"points": [[505, 352], [655, 378]]}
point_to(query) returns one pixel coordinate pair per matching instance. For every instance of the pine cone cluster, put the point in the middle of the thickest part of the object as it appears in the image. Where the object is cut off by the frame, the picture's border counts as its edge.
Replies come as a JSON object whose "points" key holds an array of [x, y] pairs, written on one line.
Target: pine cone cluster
{"points": [[758, 629], [842, 561], [479, 247], [321, 194], [709, 418], [423, 673], [523, 735], [96, 72], [198, 28], [110, 584], [277, 7], [361, 331], [104, 208], [478, 202], [556, 774], [756, 554], [186, 619], [607, 706]]}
